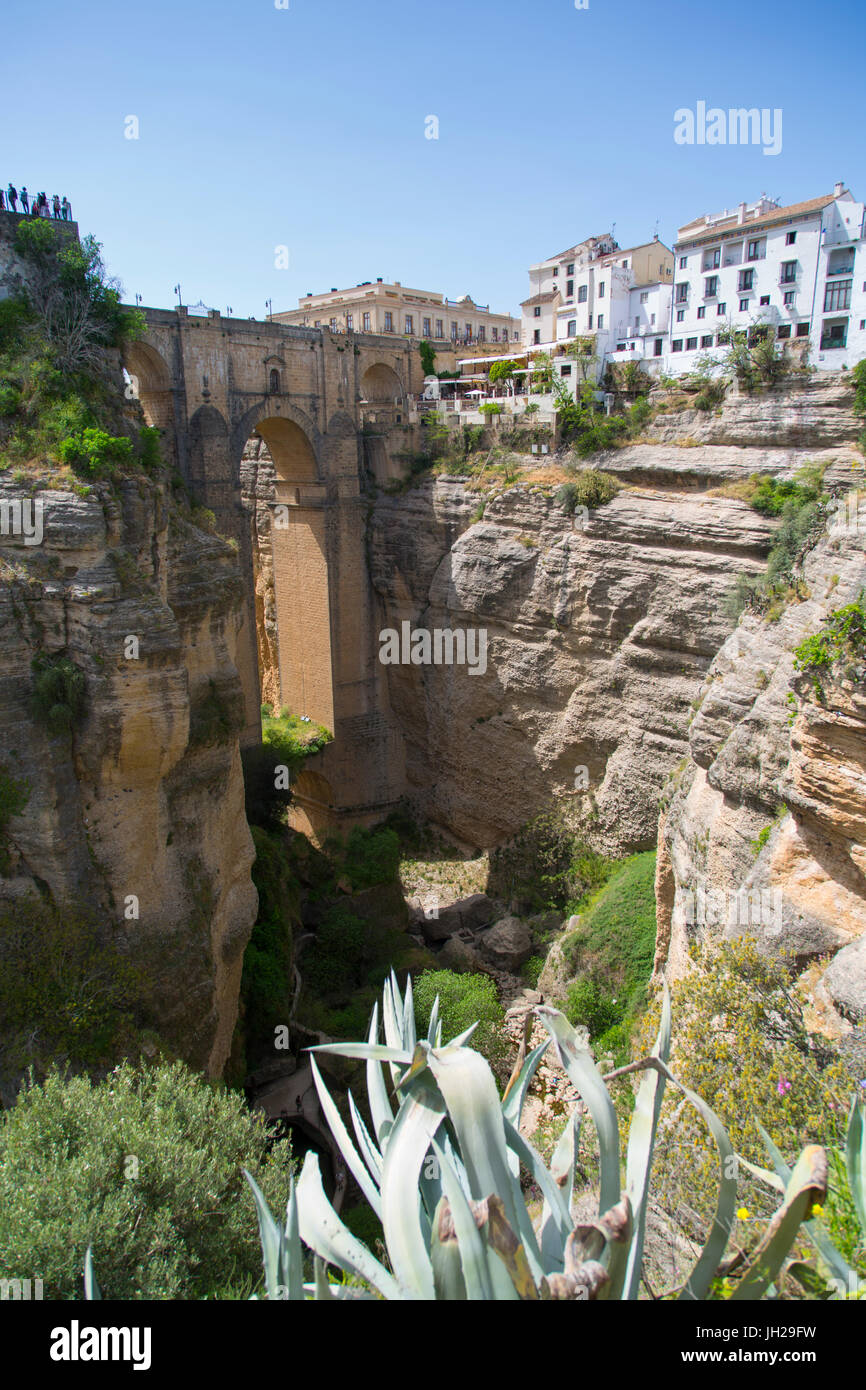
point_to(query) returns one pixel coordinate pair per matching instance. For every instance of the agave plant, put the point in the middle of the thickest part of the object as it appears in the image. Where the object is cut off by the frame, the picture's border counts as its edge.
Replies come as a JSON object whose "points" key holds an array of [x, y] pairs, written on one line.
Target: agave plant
{"points": [[834, 1277], [442, 1171]]}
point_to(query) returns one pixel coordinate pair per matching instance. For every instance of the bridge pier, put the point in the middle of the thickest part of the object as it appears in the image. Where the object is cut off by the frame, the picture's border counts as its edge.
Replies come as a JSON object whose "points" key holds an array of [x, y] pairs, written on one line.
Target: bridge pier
{"points": [[212, 383]]}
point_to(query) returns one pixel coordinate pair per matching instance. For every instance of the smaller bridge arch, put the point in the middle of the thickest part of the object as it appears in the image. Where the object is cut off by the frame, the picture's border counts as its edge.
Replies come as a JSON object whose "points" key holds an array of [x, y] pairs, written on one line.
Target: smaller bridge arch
{"points": [[380, 384], [152, 383]]}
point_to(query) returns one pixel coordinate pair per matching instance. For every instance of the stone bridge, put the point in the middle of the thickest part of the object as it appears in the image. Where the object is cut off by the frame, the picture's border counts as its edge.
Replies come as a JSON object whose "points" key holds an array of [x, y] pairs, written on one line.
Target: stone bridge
{"points": [[330, 408]]}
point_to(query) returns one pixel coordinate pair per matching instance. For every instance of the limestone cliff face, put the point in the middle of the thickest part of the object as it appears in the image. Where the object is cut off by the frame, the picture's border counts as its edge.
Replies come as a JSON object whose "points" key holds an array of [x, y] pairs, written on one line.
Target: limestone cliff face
{"points": [[598, 640], [146, 800], [600, 635], [766, 826]]}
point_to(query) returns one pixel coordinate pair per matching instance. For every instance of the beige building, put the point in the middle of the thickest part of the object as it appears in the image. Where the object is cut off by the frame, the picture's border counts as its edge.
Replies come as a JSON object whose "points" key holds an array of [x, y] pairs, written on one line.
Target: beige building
{"points": [[377, 307]]}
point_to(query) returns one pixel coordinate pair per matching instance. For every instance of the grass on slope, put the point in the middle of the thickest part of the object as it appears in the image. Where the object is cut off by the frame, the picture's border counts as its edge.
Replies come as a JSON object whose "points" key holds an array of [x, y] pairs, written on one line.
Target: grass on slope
{"points": [[611, 954]]}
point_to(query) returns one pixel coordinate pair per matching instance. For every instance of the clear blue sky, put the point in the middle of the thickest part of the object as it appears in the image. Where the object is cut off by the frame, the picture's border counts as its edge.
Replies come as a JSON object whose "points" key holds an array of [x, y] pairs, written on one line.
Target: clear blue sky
{"points": [[305, 127]]}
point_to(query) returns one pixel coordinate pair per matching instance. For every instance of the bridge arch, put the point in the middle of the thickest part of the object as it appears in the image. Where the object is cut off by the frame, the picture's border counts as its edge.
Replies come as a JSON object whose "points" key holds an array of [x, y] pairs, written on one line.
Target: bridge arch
{"points": [[381, 384], [152, 383], [301, 596]]}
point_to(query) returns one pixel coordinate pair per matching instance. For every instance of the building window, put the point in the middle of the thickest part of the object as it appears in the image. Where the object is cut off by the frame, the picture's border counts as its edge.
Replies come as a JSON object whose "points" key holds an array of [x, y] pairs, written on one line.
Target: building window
{"points": [[333, 325], [366, 323], [569, 289], [707, 340], [467, 332], [711, 287], [426, 328], [746, 280], [783, 331], [702, 311], [495, 332], [569, 270], [572, 328], [681, 315], [409, 325], [712, 259], [481, 334], [790, 298], [536, 337], [803, 330], [601, 321], [744, 306], [721, 310], [837, 296], [318, 323], [582, 292], [590, 320], [389, 321], [789, 272], [566, 371], [659, 345], [677, 345], [790, 238], [691, 344], [683, 293], [757, 250], [652, 319], [440, 329], [765, 299], [684, 260], [454, 328], [601, 289], [274, 384], [350, 323], [644, 299], [537, 311]]}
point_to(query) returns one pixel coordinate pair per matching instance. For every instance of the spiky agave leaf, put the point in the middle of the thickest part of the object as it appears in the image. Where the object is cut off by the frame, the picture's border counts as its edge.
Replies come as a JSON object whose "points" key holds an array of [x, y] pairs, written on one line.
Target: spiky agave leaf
{"points": [[807, 1185]]}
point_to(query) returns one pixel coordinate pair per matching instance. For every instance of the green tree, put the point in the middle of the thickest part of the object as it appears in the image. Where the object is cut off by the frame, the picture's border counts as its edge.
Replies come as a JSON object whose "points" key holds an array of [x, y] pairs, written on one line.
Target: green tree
{"points": [[146, 1168], [463, 1000]]}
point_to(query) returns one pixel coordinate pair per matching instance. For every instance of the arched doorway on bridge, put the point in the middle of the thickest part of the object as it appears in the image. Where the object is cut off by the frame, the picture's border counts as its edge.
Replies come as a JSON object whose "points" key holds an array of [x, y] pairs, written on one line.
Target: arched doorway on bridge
{"points": [[287, 498], [381, 385], [151, 383]]}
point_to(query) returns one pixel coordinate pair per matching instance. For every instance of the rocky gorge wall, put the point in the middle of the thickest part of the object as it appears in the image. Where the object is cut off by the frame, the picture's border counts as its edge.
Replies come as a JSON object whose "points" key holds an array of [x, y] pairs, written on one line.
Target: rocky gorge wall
{"points": [[600, 635], [141, 810], [765, 830]]}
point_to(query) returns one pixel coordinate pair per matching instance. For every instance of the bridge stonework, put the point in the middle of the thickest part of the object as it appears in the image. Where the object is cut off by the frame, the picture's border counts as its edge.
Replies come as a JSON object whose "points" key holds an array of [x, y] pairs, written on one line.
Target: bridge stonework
{"points": [[210, 383]]}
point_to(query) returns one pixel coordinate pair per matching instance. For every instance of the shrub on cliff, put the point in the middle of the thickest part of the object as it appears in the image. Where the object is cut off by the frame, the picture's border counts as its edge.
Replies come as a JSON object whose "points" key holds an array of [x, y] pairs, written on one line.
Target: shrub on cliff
{"points": [[60, 334], [741, 1040], [68, 992], [146, 1168], [14, 795], [59, 690], [464, 1000]]}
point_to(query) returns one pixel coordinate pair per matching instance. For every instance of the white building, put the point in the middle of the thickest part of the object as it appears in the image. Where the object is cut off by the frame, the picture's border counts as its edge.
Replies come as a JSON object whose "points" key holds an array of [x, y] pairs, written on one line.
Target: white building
{"points": [[798, 271], [598, 290]]}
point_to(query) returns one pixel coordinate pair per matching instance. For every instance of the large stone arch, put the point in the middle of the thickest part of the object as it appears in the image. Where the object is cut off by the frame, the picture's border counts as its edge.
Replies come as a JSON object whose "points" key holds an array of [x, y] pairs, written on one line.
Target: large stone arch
{"points": [[380, 385], [301, 571], [294, 445]]}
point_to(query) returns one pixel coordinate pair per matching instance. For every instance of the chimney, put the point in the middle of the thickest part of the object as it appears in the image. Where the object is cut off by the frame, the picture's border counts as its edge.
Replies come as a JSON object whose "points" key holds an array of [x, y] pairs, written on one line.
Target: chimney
{"points": [[838, 190], [741, 214]]}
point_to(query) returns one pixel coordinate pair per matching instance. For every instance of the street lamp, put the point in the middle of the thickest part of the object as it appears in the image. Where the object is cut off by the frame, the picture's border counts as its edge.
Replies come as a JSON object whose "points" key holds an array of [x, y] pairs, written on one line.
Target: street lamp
{"points": [[269, 305], [177, 292]]}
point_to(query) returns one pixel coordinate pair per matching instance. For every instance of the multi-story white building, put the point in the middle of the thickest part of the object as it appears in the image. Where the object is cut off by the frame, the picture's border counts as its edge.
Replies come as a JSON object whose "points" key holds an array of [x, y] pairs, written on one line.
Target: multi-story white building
{"points": [[598, 290], [797, 271]]}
